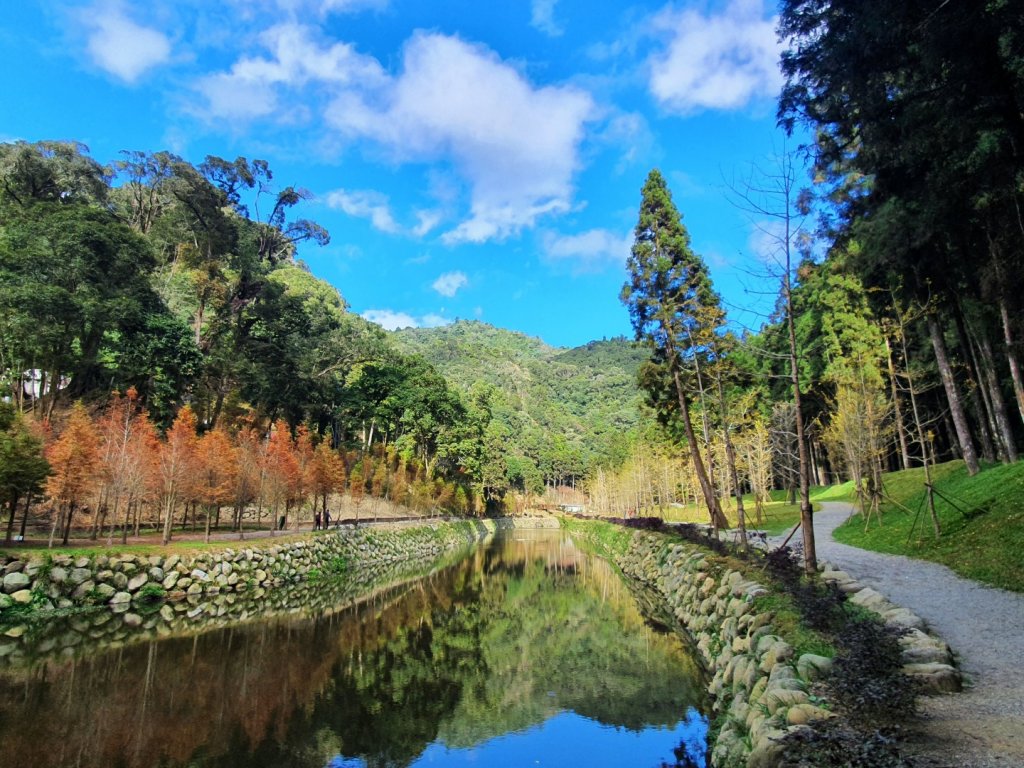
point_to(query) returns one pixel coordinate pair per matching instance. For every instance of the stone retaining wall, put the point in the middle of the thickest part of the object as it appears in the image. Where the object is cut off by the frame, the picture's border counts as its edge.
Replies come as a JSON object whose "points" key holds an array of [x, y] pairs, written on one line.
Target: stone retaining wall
{"points": [[61, 581], [927, 659], [759, 690]]}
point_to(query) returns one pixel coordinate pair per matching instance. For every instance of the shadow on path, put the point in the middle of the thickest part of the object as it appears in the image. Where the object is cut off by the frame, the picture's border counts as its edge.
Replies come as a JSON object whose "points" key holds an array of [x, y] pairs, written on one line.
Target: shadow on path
{"points": [[982, 727]]}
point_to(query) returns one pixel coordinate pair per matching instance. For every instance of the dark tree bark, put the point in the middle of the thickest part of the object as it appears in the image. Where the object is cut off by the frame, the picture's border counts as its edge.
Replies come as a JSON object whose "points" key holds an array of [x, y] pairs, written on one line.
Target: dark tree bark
{"points": [[956, 408]]}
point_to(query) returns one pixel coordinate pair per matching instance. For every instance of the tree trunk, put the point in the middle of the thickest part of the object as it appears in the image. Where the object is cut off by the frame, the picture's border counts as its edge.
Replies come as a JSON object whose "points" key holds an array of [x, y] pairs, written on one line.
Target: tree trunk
{"points": [[956, 408], [168, 519], [977, 397], [806, 511], [67, 525], [10, 521], [730, 459], [1011, 356], [714, 510], [995, 394], [24, 517], [901, 430]]}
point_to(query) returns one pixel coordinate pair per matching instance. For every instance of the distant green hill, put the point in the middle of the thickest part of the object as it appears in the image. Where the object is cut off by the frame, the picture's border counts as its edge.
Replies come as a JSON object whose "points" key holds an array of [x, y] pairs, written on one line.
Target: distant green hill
{"points": [[558, 411]]}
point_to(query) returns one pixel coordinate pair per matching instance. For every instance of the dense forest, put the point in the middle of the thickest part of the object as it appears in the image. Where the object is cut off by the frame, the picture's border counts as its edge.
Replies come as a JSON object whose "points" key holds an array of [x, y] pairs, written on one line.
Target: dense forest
{"points": [[155, 310], [896, 339]]}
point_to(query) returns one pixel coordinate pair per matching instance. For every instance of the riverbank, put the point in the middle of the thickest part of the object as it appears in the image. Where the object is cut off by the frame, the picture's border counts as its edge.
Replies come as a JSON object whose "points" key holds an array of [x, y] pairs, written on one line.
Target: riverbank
{"points": [[128, 584], [773, 685]]}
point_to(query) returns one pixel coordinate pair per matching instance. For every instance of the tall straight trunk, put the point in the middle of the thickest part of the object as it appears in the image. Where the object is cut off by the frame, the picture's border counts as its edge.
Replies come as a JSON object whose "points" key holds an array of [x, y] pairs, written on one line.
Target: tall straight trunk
{"points": [[10, 522], [978, 397], [995, 395], [24, 517], [714, 510], [67, 525], [706, 430], [901, 429], [1011, 356], [956, 408], [168, 518], [806, 511], [730, 459]]}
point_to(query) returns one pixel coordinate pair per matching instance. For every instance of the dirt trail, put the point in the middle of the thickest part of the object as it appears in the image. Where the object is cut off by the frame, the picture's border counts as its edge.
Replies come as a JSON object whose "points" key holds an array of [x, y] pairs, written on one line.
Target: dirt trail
{"points": [[982, 727]]}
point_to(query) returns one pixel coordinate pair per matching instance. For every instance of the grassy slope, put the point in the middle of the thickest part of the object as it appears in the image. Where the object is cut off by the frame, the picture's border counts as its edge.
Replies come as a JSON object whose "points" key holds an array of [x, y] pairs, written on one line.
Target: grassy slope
{"points": [[987, 544]]}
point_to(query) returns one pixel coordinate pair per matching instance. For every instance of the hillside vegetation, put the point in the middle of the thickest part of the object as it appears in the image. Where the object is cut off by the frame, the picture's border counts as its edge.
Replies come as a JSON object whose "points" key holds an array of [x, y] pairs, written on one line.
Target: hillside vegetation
{"points": [[556, 413]]}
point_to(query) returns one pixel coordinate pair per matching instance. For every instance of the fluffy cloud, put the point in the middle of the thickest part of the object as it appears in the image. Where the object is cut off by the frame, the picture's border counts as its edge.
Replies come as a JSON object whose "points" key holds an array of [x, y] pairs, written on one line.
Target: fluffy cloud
{"points": [[589, 251], [514, 145], [715, 62], [542, 17], [449, 283], [121, 47], [391, 320], [364, 204], [251, 88]]}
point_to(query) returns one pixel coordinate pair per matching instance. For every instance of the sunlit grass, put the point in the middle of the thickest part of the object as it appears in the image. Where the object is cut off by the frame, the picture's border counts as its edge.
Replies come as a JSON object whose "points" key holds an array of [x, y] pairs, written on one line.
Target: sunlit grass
{"points": [[777, 516], [981, 520]]}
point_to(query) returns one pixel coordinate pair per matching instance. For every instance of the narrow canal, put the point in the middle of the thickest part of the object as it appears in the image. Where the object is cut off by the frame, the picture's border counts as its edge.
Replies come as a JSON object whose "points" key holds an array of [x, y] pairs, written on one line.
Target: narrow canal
{"points": [[527, 652]]}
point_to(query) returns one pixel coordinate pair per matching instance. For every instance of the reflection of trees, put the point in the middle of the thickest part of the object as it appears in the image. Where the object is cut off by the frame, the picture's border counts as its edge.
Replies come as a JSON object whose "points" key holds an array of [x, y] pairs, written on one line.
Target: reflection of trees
{"points": [[479, 649]]}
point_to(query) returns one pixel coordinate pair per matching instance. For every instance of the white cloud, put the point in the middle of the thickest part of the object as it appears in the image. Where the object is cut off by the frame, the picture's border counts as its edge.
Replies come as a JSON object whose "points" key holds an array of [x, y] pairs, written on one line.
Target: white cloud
{"points": [[426, 222], [364, 204], [434, 321], [542, 17], [391, 320], [715, 62], [351, 6], [449, 283], [121, 47], [251, 88], [767, 241], [589, 251], [515, 145]]}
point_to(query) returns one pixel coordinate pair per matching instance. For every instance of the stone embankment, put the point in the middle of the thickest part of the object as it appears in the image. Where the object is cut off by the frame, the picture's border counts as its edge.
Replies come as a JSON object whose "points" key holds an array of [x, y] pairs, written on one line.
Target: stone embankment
{"points": [[55, 604], [927, 659], [759, 688], [60, 582]]}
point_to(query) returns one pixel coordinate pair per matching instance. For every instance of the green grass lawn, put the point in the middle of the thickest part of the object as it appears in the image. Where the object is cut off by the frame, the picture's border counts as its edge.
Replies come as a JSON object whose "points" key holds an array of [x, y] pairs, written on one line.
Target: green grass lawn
{"points": [[778, 516], [984, 540]]}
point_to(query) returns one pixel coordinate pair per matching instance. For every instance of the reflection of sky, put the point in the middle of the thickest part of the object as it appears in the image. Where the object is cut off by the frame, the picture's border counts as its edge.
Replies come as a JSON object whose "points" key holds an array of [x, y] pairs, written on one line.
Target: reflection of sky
{"points": [[567, 739]]}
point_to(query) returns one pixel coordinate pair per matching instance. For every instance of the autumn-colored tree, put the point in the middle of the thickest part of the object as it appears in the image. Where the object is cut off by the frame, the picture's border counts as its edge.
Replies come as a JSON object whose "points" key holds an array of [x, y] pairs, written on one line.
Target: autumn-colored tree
{"points": [[122, 456], [328, 474], [357, 487], [249, 479], [218, 473], [178, 464], [141, 471], [74, 460], [304, 451], [283, 475]]}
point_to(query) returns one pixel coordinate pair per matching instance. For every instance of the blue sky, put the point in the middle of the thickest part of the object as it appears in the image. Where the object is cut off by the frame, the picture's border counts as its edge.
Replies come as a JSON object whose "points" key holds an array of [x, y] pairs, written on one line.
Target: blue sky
{"points": [[470, 159]]}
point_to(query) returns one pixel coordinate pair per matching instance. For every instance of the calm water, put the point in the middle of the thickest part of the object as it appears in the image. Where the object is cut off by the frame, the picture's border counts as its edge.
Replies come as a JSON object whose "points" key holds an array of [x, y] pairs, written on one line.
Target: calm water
{"points": [[526, 653]]}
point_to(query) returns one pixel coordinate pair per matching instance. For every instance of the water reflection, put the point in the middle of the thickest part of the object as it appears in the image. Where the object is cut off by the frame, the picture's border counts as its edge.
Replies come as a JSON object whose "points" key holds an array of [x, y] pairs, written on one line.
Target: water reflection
{"points": [[528, 652]]}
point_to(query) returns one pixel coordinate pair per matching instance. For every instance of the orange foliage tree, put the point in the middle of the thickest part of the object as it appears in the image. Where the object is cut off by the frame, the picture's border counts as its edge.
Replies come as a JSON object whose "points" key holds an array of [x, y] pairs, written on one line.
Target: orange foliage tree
{"points": [[283, 475], [217, 460], [128, 450], [74, 460], [178, 463], [328, 475]]}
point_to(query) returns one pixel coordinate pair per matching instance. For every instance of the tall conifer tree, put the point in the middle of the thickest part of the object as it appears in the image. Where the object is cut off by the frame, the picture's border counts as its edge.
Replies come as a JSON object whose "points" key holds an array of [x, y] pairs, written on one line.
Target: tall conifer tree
{"points": [[673, 309]]}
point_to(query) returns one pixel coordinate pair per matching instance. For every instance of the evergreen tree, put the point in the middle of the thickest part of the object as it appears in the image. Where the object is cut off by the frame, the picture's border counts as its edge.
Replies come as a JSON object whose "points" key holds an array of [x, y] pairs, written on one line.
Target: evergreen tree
{"points": [[674, 310]]}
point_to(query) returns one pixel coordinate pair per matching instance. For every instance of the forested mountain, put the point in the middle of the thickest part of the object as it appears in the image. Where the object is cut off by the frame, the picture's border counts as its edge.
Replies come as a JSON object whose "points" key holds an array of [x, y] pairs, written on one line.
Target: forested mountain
{"points": [[556, 413]]}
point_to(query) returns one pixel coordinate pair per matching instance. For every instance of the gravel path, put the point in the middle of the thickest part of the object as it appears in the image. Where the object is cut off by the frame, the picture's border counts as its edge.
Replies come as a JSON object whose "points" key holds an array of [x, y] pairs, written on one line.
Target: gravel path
{"points": [[982, 727]]}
